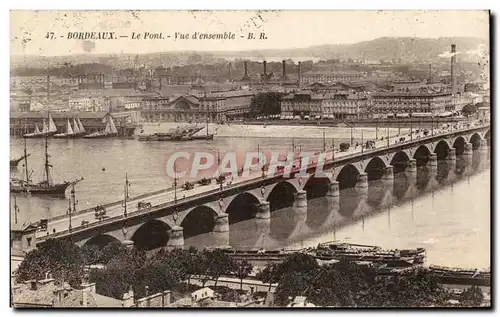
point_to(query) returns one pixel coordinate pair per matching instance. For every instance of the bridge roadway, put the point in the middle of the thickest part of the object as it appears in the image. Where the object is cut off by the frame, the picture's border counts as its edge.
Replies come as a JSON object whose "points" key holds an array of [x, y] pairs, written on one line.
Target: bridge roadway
{"points": [[58, 226]]}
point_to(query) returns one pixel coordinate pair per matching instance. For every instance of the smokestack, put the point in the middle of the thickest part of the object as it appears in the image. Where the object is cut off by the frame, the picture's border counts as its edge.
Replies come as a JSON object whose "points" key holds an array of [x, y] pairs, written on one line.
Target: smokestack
{"points": [[245, 77], [284, 68], [230, 66], [430, 73], [299, 72], [265, 68], [453, 60]]}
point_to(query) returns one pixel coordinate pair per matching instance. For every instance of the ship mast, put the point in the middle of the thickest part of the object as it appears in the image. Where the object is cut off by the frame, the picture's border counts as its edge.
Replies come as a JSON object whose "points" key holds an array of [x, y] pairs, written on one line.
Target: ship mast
{"points": [[26, 163], [47, 165]]}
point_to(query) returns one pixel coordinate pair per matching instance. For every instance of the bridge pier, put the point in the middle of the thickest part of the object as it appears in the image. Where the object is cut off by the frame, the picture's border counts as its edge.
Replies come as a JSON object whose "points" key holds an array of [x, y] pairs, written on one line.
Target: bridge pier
{"points": [[176, 239], [468, 151], [411, 167], [432, 163], [221, 230], [483, 146], [222, 223], [264, 211], [388, 175], [128, 243], [452, 155], [333, 190], [300, 202], [362, 183]]}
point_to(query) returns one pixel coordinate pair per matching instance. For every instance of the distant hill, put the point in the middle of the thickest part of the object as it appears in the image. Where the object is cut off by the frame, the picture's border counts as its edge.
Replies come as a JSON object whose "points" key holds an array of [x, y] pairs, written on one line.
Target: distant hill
{"points": [[404, 49]]}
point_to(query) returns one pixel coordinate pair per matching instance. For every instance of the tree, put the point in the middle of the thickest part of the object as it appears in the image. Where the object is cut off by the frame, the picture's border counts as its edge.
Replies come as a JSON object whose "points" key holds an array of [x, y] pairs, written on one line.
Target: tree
{"points": [[217, 263], [242, 269], [469, 109], [270, 274], [266, 103], [61, 258], [471, 297], [91, 254], [112, 250]]}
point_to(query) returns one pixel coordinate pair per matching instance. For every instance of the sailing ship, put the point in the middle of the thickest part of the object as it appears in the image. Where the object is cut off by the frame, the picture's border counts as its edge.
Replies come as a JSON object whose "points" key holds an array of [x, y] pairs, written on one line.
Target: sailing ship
{"points": [[47, 130], [46, 186], [109, 131], [209, 136], [72, 132]]}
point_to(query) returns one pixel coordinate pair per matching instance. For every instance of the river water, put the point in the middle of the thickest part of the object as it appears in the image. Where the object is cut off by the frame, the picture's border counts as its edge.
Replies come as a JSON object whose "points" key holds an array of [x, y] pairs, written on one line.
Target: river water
{"points": [[448, 214]]}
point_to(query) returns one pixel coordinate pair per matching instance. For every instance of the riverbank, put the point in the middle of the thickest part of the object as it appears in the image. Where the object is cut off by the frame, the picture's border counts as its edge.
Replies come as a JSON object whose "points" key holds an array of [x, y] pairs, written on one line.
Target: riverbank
{"points": [[236, 130]]}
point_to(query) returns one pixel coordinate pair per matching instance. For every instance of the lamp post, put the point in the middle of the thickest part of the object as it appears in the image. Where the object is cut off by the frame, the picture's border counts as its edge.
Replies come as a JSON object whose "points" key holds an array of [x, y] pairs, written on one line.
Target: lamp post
{"points": [[16, 209], [376, 128], [388, 143], [324, 142], [125, 195], [69, 214], [75, 202], [352, 138]]}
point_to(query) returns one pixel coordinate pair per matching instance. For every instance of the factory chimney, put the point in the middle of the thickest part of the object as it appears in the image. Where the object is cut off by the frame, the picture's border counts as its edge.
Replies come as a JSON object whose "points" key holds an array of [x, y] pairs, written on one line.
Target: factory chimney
{"points": [[453, 60], [229, 71], [284, 68], [299, 73], [245, 77], [265, 68], [430, 74]]}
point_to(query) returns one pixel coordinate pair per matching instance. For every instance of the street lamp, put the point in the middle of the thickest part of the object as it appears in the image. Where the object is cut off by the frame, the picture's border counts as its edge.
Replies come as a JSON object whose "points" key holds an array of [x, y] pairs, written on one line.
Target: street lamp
{"points": [[16, 209], [125, 195], [69, 214]]}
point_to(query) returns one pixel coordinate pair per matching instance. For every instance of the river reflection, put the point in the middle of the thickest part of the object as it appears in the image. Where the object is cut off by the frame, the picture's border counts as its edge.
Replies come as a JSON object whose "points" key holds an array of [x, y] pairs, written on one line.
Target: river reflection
{"points": [[428, 210]]}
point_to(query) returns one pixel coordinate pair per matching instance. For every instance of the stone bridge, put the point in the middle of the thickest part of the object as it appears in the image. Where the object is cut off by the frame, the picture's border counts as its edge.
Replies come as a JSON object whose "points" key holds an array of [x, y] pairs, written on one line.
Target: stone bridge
{"points": [[216, 210]]}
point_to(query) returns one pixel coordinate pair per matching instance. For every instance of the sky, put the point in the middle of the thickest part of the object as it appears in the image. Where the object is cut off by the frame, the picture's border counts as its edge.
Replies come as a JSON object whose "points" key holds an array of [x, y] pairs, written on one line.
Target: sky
{"points": [[283, 29]]}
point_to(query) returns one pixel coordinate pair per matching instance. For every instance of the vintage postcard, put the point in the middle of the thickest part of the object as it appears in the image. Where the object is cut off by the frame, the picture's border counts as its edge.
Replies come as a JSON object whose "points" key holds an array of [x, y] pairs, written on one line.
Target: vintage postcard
{"points": [[250, 159]]}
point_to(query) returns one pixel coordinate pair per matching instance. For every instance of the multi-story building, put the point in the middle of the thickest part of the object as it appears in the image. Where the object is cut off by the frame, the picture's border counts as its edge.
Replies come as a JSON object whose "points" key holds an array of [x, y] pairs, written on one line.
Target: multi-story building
{"points": [[331, 77], [301, 104], [390, 104], [344, 106], [219, 106], [88, 104]]}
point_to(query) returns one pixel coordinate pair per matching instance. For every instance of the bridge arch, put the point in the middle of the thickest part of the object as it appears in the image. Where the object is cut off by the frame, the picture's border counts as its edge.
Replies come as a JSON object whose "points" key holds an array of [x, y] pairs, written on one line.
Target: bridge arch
{"points": [[316, 186], [101, 240], [459, 145], [475, 139], [442, 149], [375, 168], [243, 206], [151, 235], [348, 176], [399, 161], [421, 155], [199, 220], [281, 195]]}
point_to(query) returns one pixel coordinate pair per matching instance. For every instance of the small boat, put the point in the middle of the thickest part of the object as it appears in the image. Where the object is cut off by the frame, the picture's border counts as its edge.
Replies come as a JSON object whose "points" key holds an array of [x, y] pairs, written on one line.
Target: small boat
{"points": [[46, 186], [70, 133], [459, 276], [109, 131], [366, 253], [79, 125], [49, 130]]}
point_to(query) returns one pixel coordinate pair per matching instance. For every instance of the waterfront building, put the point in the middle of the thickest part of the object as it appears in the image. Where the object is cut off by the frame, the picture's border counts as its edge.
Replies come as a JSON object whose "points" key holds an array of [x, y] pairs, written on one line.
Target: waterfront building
{"points": [[302, 104], [88, 104], [341, 105], [219, 106], [331, 77], [344, 106], [392, 103]]}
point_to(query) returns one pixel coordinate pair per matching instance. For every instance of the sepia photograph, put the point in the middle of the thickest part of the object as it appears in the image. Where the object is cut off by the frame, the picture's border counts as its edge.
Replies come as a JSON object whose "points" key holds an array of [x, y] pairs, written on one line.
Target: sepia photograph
{"points": [[250, 159]]}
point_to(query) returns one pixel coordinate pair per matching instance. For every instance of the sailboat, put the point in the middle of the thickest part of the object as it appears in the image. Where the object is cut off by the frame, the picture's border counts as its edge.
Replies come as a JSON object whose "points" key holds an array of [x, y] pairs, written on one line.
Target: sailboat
{"points": [[49, 130], [109, 131], [69, 132], [81, 129], [209, 136], [46, 186]]}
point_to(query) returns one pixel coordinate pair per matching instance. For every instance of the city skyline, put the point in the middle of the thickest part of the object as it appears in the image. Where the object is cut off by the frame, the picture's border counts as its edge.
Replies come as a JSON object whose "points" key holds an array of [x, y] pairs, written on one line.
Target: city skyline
{"points": [[284, 29]]}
